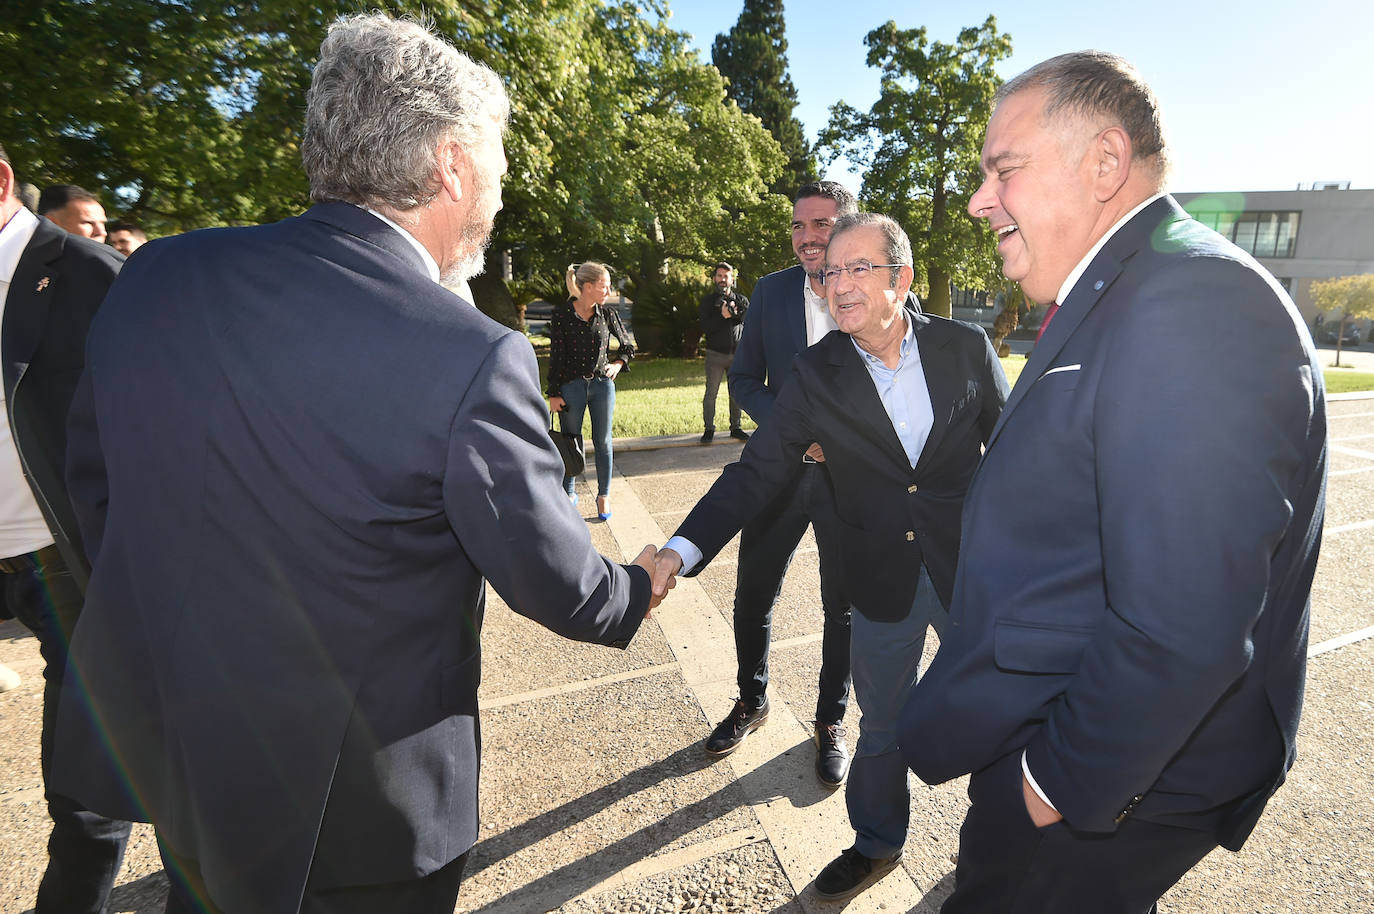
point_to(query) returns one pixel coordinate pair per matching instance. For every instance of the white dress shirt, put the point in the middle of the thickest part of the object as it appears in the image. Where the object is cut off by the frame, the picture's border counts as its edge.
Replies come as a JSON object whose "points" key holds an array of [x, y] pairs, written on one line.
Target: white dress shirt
{"points": [[22, 527]]}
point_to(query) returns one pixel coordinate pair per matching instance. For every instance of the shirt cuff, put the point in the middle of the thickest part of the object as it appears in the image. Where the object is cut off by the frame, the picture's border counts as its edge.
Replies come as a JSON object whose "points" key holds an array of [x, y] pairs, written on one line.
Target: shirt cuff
{"points": [[1030, 779], [691, 555]]}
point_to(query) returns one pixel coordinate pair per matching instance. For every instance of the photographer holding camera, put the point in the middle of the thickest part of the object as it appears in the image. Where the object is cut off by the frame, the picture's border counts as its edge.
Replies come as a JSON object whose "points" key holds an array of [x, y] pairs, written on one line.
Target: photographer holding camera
{"points": [[722, 320]]}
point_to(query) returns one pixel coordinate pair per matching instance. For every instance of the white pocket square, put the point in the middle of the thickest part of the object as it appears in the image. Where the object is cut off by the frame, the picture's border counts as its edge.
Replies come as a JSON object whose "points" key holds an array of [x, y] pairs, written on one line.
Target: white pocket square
{"points": [[1059, 368]]}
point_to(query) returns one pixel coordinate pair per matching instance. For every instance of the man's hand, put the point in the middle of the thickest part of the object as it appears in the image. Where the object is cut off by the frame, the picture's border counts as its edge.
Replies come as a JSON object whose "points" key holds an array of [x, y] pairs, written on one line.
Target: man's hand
{"points": [[613, 369], [1041, 813], [815, 452], [726, 311], [556, 404], [651, 560], [666, 566]]}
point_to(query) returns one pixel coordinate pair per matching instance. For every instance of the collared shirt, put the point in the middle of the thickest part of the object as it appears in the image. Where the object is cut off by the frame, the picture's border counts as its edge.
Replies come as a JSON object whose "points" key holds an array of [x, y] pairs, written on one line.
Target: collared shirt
{"points": [[22, 527], [1077, 272], [818, 319], [903, 392], [431, 266], [905, 398]]}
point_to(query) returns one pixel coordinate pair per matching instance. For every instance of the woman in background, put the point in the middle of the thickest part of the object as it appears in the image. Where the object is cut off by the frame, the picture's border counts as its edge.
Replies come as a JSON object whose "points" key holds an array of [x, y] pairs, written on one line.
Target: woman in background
{"points": [[581, 377]]}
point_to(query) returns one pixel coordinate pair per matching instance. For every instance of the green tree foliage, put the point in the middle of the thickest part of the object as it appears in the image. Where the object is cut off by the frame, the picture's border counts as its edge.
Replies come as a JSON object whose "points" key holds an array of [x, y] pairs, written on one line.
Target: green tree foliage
{"points": [[752, 57], [186, 113], [1353, 296], [921, 143]]}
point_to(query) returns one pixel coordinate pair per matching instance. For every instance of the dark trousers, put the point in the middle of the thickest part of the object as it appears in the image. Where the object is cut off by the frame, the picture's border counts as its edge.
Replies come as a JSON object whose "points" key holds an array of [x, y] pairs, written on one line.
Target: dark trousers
{"points": [[85, 850], [1008, 866], [436, 893], [717, 365], [766, 546]]}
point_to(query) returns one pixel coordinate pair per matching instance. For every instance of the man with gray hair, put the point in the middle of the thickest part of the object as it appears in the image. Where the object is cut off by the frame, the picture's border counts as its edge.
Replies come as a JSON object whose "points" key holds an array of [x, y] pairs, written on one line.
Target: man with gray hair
{"points": [[296, 458], [901, 402], [1123, 670]]}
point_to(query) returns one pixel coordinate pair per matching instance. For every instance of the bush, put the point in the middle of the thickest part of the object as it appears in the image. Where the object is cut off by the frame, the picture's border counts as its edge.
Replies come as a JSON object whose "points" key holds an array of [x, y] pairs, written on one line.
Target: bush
{"points": [[667, 317]]}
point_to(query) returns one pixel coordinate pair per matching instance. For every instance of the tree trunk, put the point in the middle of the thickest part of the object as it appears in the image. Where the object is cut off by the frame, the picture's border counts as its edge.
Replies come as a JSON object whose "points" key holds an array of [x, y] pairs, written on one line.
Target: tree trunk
{"points": [[938, 302]]}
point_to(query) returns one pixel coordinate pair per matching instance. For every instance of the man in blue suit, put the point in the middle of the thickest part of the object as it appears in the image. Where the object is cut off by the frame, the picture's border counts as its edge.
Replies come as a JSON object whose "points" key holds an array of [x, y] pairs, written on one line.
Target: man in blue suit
{"points": [[787, 313], [296, 459], [51, 285], [1123, 669]]}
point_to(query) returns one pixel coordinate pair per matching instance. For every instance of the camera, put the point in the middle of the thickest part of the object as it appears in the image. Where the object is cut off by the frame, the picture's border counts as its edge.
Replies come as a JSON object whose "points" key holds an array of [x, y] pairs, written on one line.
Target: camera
{"points": [[730, 301]]}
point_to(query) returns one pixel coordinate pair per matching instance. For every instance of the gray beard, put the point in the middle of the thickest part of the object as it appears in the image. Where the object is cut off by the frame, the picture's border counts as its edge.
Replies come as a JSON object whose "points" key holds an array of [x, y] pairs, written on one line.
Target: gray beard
{"points": [[470, 266]]}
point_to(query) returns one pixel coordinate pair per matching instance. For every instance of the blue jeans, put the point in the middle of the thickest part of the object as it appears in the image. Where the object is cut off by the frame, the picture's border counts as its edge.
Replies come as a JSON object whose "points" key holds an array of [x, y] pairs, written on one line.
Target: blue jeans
{"points": [[886, 658], [766, 545], [596, 396]]}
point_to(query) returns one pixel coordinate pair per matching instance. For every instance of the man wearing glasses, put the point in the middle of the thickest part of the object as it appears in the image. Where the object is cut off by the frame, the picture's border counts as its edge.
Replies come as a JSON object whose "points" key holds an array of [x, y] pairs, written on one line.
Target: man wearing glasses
{"points": [[901, 403]]}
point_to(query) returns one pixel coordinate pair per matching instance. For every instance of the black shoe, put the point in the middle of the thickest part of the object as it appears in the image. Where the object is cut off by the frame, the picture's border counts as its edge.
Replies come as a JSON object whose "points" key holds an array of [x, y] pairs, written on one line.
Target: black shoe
{"points": [[832, 756], [730, 732], [739, 434], [851, 872], [708, 436]]}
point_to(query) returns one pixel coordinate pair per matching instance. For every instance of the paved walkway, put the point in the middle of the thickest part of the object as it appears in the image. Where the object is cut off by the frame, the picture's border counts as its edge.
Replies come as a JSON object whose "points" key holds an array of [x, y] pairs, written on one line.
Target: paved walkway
{"points": [[598, 798]]}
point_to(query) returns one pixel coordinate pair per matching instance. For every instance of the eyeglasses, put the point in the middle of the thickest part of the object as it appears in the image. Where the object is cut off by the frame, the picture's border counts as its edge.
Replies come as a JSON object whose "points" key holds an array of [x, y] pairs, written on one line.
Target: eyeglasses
{"points": [[856, 270]]}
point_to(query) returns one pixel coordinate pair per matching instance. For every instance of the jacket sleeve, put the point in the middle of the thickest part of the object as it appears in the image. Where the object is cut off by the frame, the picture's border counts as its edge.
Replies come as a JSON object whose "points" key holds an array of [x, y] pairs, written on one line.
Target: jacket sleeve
{"points": [[627, 342], [749, 370], [503, 502]]}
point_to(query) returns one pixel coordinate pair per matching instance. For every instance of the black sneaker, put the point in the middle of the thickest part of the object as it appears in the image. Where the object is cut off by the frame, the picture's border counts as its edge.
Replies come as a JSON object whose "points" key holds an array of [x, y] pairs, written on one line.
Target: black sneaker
{"points": [[739, 434], [730, 732], [708, 436], [832, 756], [851, 872]]}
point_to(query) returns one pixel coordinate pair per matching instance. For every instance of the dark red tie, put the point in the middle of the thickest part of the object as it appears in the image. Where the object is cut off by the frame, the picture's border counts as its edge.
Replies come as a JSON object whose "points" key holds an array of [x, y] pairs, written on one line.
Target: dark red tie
{"points": [[1049, 316]]}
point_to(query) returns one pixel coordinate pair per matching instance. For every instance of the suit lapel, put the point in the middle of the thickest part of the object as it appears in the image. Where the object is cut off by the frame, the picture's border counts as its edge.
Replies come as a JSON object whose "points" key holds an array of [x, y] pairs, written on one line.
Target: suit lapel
{"points": [[1091, 288], [35, 281], [942, 380], [796, 317], [858, 397]]}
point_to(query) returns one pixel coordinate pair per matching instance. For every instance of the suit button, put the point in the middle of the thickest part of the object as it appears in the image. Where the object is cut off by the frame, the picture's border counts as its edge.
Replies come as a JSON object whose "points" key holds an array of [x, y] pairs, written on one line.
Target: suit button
{"points": [[910, 536], [911, 490]]}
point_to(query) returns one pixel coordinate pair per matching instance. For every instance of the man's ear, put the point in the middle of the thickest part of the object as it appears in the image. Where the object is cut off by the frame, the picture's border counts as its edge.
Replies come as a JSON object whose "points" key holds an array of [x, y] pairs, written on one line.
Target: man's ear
{"points": [[1112, 157], [905, 277], [452, 164]]}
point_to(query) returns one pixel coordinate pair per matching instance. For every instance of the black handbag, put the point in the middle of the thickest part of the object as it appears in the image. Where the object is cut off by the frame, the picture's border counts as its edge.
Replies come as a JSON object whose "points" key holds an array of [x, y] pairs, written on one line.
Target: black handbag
{"points": [[569, 448]]}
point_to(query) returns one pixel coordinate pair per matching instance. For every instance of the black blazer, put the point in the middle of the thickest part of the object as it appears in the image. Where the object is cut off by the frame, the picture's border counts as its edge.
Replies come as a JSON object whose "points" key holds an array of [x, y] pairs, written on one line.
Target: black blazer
{"points": [[891, 517], [58, 285], [297, 461]]}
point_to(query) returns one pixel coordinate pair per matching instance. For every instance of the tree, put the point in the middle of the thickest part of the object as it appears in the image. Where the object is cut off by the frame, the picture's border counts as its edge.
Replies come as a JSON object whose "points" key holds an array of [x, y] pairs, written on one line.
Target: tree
{"points": [[752, 57], [187, 113], [921, 143], [1353, 295]]}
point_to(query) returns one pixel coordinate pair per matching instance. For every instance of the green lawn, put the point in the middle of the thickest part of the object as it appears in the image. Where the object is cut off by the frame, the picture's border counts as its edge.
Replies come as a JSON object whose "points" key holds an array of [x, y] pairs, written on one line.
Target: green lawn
{"points": [[662, 396]]}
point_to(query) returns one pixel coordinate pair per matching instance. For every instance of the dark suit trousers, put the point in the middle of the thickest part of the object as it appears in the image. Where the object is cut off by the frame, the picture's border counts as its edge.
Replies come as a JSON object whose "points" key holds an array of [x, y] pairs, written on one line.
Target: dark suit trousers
{"points": [[766, 546], [1008, 866], [436, 893], [85, 850]]}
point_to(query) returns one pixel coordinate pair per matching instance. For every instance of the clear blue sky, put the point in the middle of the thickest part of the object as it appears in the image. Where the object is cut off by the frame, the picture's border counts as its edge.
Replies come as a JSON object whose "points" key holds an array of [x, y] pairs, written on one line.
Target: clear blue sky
{"points": [[1257, 95]]}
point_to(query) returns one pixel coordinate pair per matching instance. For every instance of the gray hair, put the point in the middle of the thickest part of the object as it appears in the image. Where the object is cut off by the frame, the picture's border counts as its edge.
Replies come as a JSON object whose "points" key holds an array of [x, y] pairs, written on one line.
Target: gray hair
{"points": [[896, 245], [579, 274], [384, 95], [1096, 86]]}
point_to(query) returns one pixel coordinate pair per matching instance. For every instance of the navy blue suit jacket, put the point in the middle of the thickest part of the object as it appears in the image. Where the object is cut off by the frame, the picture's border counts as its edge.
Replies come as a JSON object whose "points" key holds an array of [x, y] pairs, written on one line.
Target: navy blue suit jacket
{"points": [[58, 284], [774, 332], [891, 517], [1139, 545], [296, 459]]}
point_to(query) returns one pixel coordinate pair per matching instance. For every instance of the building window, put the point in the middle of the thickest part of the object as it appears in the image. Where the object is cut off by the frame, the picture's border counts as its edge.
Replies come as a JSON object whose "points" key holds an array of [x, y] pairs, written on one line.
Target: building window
{"points": [[1263, 234]]}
